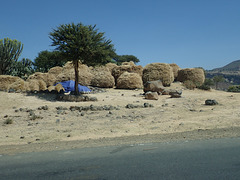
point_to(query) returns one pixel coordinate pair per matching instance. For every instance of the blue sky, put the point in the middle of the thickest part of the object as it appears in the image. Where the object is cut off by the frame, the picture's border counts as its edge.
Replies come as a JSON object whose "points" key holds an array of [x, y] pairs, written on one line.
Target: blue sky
{"points": [[190, 33]]}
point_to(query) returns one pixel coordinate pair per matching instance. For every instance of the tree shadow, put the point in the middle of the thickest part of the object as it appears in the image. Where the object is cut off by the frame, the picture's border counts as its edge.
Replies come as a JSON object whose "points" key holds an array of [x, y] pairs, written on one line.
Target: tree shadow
{"points": [[44, 95]]}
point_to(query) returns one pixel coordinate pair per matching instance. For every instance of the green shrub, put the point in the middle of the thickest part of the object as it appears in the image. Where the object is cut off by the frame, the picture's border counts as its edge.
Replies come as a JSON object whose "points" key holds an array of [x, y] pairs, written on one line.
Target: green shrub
{"points": [[189, 84], [235, 88], [204, 87]]}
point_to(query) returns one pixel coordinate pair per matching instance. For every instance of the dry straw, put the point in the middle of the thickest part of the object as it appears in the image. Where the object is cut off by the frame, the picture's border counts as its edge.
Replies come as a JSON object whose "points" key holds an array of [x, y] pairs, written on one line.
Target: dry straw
{"points": [[158, 71]]}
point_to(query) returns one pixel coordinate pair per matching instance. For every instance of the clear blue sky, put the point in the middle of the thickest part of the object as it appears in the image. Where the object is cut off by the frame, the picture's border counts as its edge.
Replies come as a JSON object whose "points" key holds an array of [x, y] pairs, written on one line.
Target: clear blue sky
{"points": [[190, 33]]}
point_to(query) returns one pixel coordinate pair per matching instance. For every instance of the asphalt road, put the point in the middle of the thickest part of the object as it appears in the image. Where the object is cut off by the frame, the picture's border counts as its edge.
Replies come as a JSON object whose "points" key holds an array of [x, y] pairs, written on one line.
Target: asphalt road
{"points": [[205, 159]]}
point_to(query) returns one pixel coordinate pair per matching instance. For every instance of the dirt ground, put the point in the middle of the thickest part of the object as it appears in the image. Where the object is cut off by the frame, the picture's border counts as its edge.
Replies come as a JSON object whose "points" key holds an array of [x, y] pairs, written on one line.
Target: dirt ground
{"points": [[27, 127]]}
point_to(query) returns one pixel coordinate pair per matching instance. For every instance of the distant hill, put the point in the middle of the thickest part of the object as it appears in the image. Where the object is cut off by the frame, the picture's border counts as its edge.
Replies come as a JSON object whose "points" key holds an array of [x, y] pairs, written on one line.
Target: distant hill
{"points": [[231, 67], [231, 73]]}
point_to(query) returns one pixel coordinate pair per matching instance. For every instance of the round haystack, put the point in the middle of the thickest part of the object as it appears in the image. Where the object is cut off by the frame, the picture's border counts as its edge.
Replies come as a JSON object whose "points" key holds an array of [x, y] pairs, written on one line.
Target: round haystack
{"points": [[55, 70], [130, 63], [68, 73], [49, 79], [66, 76], [85, 75], [110, 66], [118, 70], [6, 80], [158, 71], [33, 85], [68, 65], [129, 81], [18, 86], [37, 85], [175, 69], [102, 77], [196, 75]]}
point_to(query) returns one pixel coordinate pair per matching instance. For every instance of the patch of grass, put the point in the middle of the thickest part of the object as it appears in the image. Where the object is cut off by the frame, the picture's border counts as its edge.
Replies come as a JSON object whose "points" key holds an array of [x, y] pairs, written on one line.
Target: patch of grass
{"points": [[8, 121]]}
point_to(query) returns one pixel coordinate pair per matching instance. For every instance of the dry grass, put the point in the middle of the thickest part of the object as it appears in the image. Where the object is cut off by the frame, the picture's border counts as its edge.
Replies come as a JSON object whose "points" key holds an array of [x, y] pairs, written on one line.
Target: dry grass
{"points": [[158, 71]]}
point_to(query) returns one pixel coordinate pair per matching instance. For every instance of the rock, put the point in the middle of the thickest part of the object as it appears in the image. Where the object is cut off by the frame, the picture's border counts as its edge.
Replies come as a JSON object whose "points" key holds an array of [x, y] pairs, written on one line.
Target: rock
{"points": [[211, 102], [175, 93], [129, 81], [154, 86], [130, 106], [43, 107], [151, 95], [147, 105]]}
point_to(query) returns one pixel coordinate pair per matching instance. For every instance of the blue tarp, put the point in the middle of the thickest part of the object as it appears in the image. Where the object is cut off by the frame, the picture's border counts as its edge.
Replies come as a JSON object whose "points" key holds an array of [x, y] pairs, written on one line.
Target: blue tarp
{"points": [[69, 86]]}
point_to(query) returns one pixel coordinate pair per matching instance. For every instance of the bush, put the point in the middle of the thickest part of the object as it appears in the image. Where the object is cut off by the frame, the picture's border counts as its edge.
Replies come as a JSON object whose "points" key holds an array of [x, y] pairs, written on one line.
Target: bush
{"points": [[189, 84], [206, 85], [235, 88]]}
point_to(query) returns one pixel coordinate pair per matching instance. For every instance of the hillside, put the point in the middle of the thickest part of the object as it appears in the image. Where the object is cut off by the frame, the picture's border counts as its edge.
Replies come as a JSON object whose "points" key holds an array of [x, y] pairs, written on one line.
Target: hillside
{"points": [[229, 68], [231, 73]]}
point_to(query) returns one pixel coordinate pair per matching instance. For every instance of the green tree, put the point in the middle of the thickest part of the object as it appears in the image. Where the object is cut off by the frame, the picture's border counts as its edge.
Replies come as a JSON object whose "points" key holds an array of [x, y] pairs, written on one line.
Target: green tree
{"points": [[217, 80], [10, 51], [119, 59], [48, 59], [84, 43], [22, 68]]}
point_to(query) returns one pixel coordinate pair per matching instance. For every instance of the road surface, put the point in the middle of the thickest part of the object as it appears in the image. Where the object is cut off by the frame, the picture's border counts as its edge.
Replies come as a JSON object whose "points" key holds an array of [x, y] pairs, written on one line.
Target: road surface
{"points": [[199, 159]]}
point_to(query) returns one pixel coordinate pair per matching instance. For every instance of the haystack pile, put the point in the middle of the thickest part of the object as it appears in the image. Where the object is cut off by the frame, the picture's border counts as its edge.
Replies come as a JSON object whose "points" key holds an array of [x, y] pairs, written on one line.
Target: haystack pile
{"points": [[129, 81], [55, 70], [158, 71], [36, 85], [68, 73], [196, 75], [6, 81], [126, 67], [19, 86], [175, 69], [49, 79], [102, 77], [110, 66]]}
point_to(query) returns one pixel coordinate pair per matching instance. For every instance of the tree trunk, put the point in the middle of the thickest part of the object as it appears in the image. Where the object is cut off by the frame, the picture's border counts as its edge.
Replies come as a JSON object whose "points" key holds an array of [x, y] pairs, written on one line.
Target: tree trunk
{"points": [[76, 64]]}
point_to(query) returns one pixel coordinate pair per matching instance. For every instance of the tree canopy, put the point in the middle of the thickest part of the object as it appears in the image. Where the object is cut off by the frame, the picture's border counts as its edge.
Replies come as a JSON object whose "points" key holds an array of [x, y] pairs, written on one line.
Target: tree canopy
{"points": [[82, 42], [119, 59], [48, 59], [10, 50]]}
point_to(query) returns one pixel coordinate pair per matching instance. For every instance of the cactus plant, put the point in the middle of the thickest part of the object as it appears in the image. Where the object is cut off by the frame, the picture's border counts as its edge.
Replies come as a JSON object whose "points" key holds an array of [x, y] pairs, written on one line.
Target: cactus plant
{"points": [[10, 50]]}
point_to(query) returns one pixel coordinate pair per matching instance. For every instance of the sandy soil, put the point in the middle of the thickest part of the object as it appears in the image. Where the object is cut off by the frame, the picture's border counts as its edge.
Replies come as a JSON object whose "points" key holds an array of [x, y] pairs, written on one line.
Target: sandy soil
{"points": [[170, 119]]}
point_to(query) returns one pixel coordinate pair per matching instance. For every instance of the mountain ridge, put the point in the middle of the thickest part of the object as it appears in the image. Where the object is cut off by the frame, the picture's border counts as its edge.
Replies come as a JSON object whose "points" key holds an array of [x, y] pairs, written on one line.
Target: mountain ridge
{"points": [[231, 67]]}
